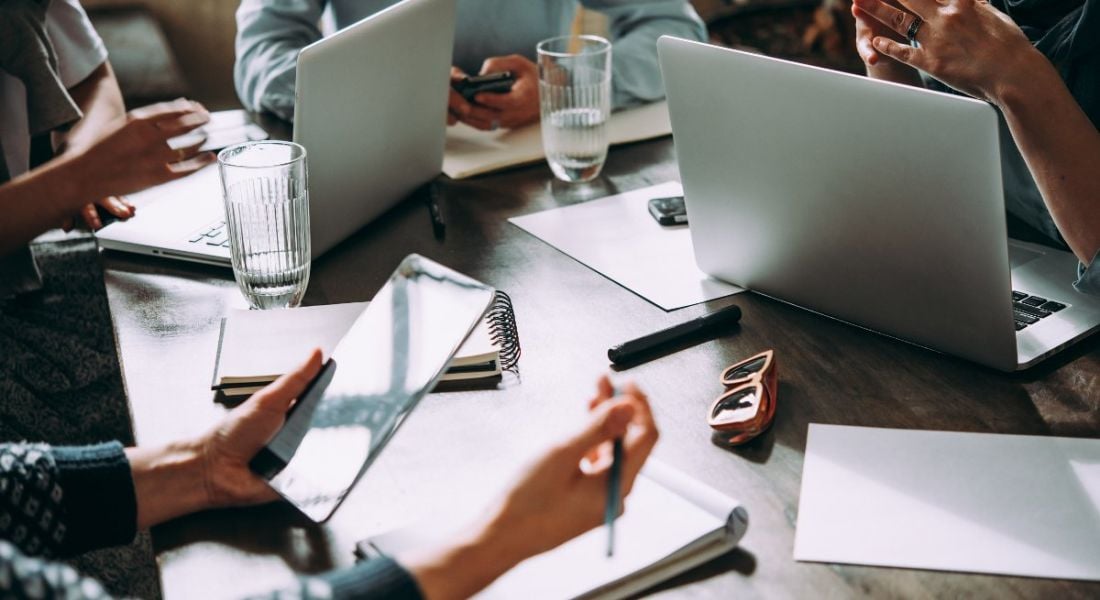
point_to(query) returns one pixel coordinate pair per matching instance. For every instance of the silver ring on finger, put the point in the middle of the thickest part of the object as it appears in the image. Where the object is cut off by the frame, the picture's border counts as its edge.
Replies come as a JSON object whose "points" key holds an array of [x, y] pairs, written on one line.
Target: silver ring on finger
{"points": [[914, 27]]}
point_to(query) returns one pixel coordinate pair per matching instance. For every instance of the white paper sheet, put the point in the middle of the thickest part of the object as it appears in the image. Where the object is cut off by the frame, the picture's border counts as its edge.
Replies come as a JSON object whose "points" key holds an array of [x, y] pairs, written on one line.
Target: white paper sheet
{"points": [[616, 237], [472, 152], [982, 503]]}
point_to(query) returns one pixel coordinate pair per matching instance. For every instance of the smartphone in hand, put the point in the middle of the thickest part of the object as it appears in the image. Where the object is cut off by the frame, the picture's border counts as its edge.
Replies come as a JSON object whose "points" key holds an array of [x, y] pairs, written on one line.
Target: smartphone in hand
{"points": [[493, 83]]}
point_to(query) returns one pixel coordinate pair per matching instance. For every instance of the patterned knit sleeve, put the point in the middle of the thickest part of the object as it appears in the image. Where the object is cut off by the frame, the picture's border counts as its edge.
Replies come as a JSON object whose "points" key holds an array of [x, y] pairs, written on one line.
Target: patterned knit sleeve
{"points": [[63, 501]]}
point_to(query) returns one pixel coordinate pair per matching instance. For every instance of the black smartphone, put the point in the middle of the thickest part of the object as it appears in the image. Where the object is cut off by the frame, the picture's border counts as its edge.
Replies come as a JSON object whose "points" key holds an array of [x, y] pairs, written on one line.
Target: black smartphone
{"points": [[669, 211], [493, 83]]}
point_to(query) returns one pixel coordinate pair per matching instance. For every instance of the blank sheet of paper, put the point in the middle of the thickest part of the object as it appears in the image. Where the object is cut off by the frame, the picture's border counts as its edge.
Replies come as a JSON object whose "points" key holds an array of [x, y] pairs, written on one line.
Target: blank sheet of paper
{"points": [[973, 502], [618, 238]]}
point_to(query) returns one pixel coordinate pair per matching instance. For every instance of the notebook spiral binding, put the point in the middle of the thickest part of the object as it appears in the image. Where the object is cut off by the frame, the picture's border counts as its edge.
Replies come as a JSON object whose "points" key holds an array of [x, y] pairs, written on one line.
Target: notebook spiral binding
{"points": [[501, 318]]}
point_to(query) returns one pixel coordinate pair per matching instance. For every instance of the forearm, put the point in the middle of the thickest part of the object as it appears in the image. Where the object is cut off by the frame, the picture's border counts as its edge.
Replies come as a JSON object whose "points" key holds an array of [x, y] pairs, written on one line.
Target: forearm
{"points": [[100, 99], [169, 482], [466, 564], [1061, 147], [635, 27], [269, 36], [41, 199]]}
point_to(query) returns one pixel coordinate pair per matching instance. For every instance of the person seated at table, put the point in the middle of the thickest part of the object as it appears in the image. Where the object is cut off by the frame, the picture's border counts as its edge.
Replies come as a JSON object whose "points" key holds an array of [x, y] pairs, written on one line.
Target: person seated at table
{"points": [[491, 36], [1037, 62], [61, 501], [57, 88]]}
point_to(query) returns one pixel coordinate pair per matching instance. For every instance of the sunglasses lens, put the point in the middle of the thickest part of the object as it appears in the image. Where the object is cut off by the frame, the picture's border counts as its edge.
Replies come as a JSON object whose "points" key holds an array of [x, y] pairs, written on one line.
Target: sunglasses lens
{"points": [[746, 369], [739, 406]]}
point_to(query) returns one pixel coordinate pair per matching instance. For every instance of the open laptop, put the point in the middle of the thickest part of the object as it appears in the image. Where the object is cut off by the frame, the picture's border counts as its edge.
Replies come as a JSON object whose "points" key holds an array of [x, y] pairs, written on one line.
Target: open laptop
{"points": [[875, 203], [371, 105]]}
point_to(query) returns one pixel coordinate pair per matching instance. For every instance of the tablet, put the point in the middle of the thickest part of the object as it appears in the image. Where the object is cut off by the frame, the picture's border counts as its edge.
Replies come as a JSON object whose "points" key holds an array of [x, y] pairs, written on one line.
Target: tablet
{"points": [[391, 357]]}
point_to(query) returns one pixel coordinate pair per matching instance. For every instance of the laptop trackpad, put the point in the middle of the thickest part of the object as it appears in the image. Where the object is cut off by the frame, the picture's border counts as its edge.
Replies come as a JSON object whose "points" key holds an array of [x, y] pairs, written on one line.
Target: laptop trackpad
{"points": [[1019, 256]]}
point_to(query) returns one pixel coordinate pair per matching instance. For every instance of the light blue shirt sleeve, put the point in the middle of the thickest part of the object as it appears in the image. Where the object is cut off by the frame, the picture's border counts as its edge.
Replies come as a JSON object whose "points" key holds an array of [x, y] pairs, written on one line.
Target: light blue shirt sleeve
{"points": [[269, 35], [1088, 277], [635, 26]]}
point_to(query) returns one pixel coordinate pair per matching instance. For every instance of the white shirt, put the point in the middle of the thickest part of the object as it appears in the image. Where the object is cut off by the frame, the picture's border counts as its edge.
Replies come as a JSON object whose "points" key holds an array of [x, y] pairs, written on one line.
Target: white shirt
{"points": [[79, 52]]}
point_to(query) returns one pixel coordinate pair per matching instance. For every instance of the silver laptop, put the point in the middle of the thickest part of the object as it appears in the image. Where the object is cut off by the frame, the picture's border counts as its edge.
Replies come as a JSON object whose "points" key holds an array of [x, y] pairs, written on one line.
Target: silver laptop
{"points": [[878, 204], [371, 104]]}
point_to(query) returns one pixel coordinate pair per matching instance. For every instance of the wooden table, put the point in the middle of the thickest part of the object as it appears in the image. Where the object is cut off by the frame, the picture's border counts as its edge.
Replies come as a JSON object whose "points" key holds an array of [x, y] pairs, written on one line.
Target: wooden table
{"points": [[458, 446]]}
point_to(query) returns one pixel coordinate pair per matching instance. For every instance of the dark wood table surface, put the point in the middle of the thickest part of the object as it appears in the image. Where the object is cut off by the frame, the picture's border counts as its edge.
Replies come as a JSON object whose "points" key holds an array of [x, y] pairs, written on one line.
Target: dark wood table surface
{"points": [[458, 447]]}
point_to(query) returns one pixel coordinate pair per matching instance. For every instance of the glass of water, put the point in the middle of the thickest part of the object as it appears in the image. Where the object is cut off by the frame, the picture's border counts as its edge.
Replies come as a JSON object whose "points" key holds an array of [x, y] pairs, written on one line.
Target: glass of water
{"points": [[267, 216], [575, 103]]}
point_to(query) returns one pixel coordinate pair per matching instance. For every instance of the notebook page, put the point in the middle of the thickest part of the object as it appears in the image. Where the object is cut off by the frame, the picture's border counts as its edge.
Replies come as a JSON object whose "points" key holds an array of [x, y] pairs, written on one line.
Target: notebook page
{"points": [[657, 524]]}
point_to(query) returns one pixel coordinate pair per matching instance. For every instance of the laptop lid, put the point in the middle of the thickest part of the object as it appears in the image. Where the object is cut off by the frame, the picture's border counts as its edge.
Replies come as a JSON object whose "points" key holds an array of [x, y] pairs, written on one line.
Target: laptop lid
{"points": [[370, 109], [875, 203], [391, 357]]}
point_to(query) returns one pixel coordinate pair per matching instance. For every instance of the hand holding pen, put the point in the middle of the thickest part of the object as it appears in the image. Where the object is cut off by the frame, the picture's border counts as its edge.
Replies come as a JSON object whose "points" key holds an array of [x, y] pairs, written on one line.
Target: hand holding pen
{"points": [[564, 493]]}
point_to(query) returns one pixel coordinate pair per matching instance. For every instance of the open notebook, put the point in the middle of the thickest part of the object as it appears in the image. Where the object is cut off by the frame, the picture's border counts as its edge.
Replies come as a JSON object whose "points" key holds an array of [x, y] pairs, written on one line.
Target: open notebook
{"points": [[472, 152], [257, 346], [672, 523]]}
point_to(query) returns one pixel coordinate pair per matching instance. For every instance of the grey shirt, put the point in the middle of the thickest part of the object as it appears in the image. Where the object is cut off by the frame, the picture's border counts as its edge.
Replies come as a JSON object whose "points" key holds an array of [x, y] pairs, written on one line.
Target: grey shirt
{"points": [[271, 32]]}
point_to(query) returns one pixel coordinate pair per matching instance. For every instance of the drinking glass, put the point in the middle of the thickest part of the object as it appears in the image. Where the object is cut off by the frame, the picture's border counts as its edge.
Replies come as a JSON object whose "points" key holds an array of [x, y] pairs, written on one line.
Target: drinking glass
{"points": [[575, 103], [267, 216]]}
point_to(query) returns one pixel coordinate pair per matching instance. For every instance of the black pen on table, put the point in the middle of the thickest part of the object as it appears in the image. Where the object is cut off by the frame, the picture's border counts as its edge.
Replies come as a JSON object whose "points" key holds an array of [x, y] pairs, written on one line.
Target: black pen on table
{"points": [[439, 228], [628, 352], [614, 485]]}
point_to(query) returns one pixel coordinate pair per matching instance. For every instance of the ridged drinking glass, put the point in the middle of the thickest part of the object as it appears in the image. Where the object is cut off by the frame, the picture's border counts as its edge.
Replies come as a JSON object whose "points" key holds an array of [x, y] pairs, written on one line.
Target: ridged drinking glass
{"points": [[266, 191], [575, 104]]}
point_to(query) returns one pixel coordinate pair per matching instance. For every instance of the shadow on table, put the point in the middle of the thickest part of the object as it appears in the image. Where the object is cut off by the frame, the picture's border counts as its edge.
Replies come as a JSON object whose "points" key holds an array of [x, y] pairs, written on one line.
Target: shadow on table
{"points": [[737, 560], [275, 529]]}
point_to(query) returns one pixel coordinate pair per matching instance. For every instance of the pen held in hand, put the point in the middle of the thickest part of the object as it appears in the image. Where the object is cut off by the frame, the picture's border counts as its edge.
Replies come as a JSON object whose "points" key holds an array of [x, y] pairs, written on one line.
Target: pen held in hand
{"points": [[614, 479]]}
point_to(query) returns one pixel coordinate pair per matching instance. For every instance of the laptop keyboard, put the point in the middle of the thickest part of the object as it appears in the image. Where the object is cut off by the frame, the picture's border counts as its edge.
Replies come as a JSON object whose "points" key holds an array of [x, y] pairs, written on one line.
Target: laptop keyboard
{"points": [[1028, 310], [214, 234]]}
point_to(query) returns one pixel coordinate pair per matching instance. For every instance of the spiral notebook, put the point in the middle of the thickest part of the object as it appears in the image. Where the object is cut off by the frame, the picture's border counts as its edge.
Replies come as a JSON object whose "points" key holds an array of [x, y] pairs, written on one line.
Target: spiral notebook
{"points": [[257, 346], [672, 523]]}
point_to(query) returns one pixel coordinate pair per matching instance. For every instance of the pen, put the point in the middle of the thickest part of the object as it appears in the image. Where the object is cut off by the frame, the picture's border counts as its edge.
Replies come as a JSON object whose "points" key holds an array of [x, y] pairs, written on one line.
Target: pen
{"points": [[439, 228], [614, 477], [629, 351]]}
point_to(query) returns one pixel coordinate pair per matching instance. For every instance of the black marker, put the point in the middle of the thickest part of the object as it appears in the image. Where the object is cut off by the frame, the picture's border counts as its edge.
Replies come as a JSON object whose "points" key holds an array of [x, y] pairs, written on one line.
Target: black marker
{"points": [[629, 351]]}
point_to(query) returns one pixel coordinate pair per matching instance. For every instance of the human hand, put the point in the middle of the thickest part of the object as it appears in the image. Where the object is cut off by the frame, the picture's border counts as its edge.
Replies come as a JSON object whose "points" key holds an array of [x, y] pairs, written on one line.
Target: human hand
{"points": [[520, 106], [227, 449], [473, 114], [560, 496], [117, 207], [966, 44], [880, 66], [133, 153]]}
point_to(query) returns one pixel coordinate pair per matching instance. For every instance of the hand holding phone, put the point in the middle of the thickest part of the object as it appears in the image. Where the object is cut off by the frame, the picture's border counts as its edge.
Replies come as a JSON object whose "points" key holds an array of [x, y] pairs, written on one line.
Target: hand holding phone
{"points": [[493, 83]]}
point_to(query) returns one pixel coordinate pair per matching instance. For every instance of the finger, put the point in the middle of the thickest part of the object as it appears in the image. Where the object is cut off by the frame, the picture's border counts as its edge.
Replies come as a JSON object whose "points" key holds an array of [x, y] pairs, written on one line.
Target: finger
{"points": [[863, 39], [895, 19], [160, 109], [496, 64], [457, 74], [189, 166], [181, 124], [924, 9], [280, 394], [91, 217], [67, 225], [604, 391], [451, 118], [458, 105], [900, 52], [501, 102], [117, 207], [641, 437], [608, 422], [182, 153], [481, 113]]}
